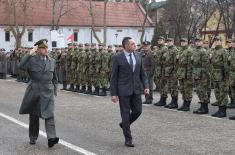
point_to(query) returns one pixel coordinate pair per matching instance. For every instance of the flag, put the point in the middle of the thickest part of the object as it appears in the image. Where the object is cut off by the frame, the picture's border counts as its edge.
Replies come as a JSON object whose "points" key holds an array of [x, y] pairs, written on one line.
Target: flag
{"points": [[70, 38]]}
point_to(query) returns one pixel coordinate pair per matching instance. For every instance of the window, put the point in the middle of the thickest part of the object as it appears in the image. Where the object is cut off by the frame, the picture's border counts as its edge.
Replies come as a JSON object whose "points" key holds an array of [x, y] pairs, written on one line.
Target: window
{"points": [[7, 35], [30, 36], [75, 34], [54, 44]]}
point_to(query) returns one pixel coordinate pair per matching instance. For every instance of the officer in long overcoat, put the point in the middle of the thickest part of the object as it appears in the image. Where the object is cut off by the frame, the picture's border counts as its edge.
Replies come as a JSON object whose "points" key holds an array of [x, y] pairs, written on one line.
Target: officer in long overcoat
{"points": [[38, 100]]}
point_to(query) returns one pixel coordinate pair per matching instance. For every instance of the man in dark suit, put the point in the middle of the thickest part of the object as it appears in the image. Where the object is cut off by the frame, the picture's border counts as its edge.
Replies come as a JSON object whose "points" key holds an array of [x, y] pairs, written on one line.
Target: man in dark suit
{"points": [[126, 80], [38, 100]]}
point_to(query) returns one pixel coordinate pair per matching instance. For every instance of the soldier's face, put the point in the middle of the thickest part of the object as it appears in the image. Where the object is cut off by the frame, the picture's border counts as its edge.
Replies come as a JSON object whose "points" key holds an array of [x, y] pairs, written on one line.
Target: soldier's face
{"points": [[160, 41], [183, 43], [230, 44], [198, 43], [43, 51], [170, 43], [146, 47], [218, 43]]}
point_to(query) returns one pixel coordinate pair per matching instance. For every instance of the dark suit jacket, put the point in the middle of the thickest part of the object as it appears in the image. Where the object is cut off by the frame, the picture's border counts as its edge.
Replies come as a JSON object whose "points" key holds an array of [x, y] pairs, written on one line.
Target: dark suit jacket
{"points": [[125, 82]]}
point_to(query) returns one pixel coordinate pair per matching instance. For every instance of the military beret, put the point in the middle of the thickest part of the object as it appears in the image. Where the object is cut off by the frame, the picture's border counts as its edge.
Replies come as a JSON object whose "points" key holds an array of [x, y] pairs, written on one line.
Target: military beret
{"points": [[169, 39], [184, 40], [87, 44], [161, 37], [42, 43], [218, 38], [229, 41], [146, 43]]}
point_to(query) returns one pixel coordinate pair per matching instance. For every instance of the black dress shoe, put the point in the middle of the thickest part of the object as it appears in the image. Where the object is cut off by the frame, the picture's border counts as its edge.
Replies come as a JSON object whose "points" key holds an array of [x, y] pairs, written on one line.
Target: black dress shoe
{"points": [[52, 141], [120, 124], [32, 142], [129, 144], [232, 118]]}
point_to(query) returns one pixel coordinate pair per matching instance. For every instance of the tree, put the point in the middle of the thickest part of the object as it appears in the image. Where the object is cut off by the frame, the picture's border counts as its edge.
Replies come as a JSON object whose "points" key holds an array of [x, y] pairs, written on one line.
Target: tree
{"points": [[158, 31], [17, 9]]}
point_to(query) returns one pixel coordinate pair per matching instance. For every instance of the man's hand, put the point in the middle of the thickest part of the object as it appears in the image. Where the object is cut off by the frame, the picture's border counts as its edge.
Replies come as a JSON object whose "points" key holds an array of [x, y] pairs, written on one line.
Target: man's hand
{"points": [[114, 99], [146, 92], [32, 51]]}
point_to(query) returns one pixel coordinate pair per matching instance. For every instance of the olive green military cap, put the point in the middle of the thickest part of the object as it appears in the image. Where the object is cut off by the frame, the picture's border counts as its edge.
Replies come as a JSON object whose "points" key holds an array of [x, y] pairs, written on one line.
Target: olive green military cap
{"points": [[93, 44], [80, 45], [110, 46], [42, 43], [169, 39], [184, 40], [87, 44], [101, 44], [161, 37]]}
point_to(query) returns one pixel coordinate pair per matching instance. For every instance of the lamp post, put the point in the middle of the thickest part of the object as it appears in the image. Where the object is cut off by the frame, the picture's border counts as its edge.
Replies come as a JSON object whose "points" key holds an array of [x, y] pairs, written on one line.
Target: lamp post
{"points": [[116, 35]]}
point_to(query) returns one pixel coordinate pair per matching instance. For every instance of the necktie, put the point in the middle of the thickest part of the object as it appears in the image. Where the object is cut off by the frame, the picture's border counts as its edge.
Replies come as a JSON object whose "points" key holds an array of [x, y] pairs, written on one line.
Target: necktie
{"points": [[44, 60], [131, 62]]}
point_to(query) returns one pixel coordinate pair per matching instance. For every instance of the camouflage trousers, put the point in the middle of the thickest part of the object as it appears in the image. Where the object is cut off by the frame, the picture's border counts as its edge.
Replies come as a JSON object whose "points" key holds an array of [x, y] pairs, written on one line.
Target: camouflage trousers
{"points": [[186, 89], [69, 76], [202, 90], [232, 89], [170, 86], [161, 84], [82, 79], [104, 80], [221, 92], [74, 77]]}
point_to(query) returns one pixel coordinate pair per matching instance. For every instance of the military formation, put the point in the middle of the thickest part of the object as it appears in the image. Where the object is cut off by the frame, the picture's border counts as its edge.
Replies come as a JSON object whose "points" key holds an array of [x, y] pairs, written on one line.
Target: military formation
{"points": [[189, 66], [85, 68]]}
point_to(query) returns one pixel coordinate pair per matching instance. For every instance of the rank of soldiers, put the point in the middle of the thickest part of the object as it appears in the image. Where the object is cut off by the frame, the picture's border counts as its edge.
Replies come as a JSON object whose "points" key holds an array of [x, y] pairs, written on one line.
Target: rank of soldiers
{"points": [[86, 69]]}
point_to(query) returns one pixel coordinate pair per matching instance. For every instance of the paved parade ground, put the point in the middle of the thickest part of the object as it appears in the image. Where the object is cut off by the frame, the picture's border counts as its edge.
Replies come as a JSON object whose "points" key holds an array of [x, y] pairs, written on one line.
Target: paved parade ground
{"points": [[89, 125]]}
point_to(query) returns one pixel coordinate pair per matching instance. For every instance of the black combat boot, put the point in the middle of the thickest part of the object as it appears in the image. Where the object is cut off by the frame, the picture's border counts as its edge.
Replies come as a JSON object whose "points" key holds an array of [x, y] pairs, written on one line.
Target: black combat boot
{"points": [[77, 88], [103, 92], [162, 102], [173, 104], [83, 89], [231, 105], [185, 106], [71, 88], [232, 118], [221, 112], [203, 109], [215, 103], [89, 90], [64, 86], [96, 91]]}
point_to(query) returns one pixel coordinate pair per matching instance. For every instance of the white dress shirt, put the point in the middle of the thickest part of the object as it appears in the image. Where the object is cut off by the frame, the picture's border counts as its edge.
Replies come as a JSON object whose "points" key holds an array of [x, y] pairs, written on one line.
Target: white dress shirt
{"points": [[128, 58]]}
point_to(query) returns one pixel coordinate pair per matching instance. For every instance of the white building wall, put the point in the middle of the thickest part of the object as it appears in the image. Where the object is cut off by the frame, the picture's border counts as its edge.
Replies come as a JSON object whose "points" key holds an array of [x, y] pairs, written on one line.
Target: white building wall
{"points": [[84, 35]]}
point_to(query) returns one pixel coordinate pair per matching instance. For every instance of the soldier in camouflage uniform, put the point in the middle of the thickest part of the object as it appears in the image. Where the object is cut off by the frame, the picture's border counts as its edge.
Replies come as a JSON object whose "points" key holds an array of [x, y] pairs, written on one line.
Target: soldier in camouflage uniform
{"points": [[184, 74], [159, 70], [104, 71], [62, 66], [200, 62], [89, 72], [149, 67], [69, 69], [232, 71], [230, 49], [96, 67], [220, 75], [3, 64], [73, 68], [170, 69], [83, 67], [78, 69]]}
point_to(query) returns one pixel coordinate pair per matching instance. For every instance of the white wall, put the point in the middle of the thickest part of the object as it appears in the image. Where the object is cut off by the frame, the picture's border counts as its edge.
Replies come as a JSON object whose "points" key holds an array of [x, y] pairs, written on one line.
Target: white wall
{"points": [[84, 35]]}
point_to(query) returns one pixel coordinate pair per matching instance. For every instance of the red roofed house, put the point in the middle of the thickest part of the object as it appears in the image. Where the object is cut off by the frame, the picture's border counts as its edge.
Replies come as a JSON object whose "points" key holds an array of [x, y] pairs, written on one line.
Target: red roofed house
{"points": [[123, 19]]}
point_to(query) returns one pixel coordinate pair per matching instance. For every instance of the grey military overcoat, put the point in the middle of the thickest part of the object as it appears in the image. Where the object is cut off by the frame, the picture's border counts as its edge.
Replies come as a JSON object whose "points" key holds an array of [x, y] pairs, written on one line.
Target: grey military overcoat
{"points": [[39, 96]]}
